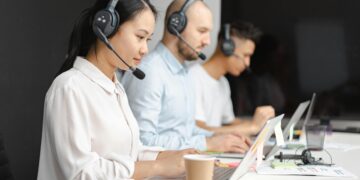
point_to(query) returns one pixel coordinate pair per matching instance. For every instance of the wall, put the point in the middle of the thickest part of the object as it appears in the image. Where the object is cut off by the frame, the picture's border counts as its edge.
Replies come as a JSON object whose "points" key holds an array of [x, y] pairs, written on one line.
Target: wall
{"points": [[319, 42], [215, 7], [34, 37]]}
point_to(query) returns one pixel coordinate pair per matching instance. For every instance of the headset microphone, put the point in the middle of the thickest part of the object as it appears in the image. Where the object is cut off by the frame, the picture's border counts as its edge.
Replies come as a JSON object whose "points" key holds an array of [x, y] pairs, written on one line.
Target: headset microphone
{"points": [[201, 55], [136, 72]]}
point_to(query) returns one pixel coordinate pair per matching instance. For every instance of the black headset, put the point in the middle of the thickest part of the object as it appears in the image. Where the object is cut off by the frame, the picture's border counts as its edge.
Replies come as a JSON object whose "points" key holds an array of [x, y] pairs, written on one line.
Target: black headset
{"points": [[178, 19], [227, 44], [107, 20], [105, 24], [305, 157]]}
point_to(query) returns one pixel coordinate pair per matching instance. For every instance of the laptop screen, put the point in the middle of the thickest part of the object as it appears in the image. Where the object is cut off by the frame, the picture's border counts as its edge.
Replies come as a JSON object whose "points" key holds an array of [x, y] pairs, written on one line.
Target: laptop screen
{"points": [[309, 112], [251, 154], [295, 118]]}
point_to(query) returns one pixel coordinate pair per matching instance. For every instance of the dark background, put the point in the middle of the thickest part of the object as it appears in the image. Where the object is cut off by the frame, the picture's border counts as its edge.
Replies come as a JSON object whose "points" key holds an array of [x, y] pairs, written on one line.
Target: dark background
{"points": [[311, 46], [34, 37]]}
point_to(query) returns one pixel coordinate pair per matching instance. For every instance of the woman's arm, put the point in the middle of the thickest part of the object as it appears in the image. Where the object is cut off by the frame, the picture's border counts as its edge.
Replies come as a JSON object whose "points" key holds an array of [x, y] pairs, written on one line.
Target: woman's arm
{"points": [[167, 164]]}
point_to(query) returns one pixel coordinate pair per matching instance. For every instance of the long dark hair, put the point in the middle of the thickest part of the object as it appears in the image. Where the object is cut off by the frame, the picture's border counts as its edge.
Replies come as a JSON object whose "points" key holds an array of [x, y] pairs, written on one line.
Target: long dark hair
{"points": [[83, 37]]}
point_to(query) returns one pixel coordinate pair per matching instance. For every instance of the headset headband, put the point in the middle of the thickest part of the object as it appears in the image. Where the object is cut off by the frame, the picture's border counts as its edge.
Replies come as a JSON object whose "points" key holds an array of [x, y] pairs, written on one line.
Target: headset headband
{"points": [[227, 31], [186, 5]]}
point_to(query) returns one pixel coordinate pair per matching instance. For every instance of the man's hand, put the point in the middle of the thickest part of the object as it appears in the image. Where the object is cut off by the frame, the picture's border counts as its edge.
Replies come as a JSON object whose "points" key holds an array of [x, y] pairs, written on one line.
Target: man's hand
{"points": [[261, 115], [232, 142]]}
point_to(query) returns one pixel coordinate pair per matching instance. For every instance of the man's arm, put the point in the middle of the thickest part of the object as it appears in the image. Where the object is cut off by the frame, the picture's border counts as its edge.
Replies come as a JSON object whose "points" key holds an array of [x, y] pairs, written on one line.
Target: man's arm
{"points": [[244, 126]]}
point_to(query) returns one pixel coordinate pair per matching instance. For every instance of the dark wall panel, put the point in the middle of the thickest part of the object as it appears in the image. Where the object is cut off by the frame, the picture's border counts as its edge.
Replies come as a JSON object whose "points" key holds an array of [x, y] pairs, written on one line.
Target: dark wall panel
{"points": [[34, 36]]}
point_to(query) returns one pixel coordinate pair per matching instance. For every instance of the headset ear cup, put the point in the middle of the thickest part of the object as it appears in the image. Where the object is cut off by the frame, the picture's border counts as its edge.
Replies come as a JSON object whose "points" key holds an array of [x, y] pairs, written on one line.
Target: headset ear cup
{"points": [[102, 20], [176, 21], [116, 21], [227, 44], [228, 47], [106, 21]]}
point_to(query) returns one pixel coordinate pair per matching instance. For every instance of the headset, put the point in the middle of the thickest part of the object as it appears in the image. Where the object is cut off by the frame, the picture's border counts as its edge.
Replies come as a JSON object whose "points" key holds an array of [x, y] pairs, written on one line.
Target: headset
{"points": [[105, 24], [305, 157], [177, 22], [227, 45], [107, 20]]}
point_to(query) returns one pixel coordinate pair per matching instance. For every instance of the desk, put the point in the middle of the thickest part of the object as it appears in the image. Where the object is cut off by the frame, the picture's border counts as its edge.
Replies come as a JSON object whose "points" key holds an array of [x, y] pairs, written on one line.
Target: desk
{"points": [[349, 160]]}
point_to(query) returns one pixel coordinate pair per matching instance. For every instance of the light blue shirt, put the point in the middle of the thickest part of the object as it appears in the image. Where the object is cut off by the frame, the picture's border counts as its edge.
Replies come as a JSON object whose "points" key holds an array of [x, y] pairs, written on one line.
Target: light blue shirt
{"points": [[163, 103]]}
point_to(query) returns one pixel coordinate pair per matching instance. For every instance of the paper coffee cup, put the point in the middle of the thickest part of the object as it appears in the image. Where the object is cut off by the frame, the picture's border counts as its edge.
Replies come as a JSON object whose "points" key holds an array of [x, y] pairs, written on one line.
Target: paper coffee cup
{"points": [[199, 167]]}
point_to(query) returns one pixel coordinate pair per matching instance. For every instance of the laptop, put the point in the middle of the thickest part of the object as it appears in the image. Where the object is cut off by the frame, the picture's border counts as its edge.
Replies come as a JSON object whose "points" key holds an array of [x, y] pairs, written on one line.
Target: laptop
{"points": [[271, 150], [307, 118], [309, 113], [250, 156], [292, 123]]}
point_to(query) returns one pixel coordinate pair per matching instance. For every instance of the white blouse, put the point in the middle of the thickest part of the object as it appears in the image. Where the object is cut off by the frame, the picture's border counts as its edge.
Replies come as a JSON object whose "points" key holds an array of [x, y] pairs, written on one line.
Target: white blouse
{"points": [[89, 131]]}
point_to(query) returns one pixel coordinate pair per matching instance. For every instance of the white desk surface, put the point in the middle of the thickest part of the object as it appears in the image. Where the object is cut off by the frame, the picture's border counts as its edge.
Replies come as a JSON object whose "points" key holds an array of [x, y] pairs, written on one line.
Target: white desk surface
{"points": [[349, 160]]}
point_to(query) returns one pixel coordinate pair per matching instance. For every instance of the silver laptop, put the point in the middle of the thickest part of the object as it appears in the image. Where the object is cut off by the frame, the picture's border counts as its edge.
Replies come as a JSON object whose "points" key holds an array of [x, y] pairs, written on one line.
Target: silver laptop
{"points": [[271, 150], [293, 121], [286, 132], [307, 118], [309, 112], [250, 156]]}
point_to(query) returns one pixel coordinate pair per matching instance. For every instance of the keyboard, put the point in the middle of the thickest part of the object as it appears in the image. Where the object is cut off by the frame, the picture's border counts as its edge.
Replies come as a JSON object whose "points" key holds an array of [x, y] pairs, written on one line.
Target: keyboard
{"points": [[222, 173]]}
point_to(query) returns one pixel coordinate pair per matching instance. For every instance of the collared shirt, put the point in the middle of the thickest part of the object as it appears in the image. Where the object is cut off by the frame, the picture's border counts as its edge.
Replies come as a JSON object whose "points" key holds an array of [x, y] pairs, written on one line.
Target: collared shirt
{"points": [[163, 103], [89, 131]]}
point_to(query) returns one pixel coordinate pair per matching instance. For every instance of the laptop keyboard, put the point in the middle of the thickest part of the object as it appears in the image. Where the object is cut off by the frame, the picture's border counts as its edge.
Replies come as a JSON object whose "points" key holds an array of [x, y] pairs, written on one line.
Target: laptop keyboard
{"points": [[221, 173]]}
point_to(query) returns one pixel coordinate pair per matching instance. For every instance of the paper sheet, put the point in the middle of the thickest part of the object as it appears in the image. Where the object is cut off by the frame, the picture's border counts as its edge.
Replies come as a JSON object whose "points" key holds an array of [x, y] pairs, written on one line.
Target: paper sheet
{"points": [[308, 170], [291, 132], [279, 135], [259, 153]]}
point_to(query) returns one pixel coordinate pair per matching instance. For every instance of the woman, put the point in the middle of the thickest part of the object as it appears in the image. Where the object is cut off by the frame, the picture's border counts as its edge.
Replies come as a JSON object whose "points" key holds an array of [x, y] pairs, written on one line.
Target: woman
{"points": [[89, 131]]}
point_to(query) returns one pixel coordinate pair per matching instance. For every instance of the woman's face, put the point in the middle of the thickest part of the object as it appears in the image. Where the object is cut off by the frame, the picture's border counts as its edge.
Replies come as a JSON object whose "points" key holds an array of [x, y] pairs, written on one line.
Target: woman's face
{"points": [[131, 39]]}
